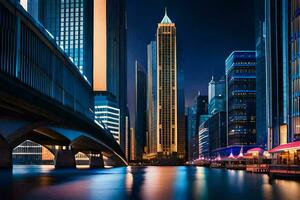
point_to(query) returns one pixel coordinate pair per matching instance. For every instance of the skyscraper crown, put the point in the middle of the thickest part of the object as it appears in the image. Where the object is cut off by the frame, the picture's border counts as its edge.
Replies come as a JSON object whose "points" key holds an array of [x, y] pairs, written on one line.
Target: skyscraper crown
{"points": [[166, 19]]}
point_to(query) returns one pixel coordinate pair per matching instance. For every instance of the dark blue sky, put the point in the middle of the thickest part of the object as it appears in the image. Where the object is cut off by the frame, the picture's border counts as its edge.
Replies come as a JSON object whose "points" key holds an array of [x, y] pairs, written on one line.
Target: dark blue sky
{"points": [[207, 32]]}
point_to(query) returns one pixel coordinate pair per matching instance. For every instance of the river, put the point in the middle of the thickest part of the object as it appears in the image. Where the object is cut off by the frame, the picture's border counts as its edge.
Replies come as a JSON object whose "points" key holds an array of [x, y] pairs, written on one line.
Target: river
{"points": [[155, 183]]}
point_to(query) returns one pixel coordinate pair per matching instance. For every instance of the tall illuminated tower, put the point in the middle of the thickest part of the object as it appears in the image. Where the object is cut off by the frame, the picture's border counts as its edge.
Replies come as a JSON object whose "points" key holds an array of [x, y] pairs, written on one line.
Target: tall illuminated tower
{"points": [[166, 88]]}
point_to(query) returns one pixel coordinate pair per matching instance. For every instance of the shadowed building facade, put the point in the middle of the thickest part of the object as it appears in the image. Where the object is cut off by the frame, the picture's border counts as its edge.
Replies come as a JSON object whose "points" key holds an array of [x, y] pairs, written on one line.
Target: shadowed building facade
{"points": [[140, 110], [152, 99]]}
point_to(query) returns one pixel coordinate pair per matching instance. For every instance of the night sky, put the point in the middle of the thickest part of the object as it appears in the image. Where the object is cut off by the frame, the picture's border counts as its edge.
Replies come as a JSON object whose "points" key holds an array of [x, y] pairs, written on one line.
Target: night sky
{"points": [[207, 32]]}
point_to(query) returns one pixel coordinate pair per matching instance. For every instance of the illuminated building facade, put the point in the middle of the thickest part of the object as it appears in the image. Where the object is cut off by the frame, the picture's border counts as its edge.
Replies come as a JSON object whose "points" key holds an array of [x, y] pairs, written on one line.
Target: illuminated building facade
{"points": [[69, 23], [166, 88], [216, 96], [276, 80], [241, 98], [108, 113], [295, 73], [109, 58]]}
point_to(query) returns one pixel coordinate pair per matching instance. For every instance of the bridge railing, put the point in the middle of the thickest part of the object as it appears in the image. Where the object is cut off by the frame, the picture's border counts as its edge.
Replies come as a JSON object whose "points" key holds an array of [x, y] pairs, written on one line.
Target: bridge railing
{"points": [[30, 55]]}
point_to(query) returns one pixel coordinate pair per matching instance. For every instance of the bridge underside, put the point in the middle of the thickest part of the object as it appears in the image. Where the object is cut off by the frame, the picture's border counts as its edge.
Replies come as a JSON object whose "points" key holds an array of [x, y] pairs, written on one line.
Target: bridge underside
{"points": [[27, 115]]}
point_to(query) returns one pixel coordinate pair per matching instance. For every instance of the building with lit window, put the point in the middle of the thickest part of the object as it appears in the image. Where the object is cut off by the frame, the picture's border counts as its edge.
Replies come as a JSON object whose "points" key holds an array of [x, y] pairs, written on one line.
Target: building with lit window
{"points": [[241, 98], [273, 84], [216, 96], [203, 140], [167, 138], [109, 57], [69, 23], [108, 113]]}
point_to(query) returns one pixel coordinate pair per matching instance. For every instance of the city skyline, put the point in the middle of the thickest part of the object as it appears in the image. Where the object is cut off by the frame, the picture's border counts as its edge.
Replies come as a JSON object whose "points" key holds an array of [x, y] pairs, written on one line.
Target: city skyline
{"points": [[196, 47], [149, 99]]}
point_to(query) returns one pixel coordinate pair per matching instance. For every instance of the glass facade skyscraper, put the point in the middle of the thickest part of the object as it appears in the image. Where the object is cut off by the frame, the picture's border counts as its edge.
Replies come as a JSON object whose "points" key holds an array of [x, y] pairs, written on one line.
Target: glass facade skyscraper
{"points": [[241, 98], [273, 73], [216, 96], [295, 72], [152, 98], [107, 113], [70, 24]]}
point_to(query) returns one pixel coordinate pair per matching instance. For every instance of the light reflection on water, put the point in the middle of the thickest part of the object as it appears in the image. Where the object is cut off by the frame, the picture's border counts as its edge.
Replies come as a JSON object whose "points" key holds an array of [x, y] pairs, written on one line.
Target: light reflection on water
{"points": [[43, 182]]}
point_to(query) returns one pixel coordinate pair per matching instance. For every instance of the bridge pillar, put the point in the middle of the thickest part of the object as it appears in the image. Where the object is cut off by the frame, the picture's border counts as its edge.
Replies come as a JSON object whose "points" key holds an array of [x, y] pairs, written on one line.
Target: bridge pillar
{"points": [[5, 154], [96, 161], [65, 158]]}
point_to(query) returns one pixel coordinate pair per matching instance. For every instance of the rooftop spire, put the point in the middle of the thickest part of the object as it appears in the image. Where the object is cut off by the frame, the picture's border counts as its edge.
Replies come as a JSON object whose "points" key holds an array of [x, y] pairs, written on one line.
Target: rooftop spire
{"points": [[166, 19]]}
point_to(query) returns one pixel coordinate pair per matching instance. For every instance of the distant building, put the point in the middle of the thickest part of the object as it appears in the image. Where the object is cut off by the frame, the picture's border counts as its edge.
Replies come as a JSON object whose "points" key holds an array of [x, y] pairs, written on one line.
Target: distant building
{"points": [[181, 118], [203, 140], [241, 98], [29, 152], [140, 110], [108, 113], [217, 131], [191, 132], [216, 96], [152, 98], [132, 144], [167, 136]]}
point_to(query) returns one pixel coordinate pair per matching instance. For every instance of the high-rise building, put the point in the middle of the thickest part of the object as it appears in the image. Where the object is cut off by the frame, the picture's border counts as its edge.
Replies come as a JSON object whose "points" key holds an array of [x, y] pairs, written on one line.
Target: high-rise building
{"points": [[181, 118], [241, 98], [199, 108], [152, 98], [217, 131], [203, 140], [109, 55], [70, 24], [273, 73], [167, 137], [191, 130], [132, 144], [140, 110], [216, 96], [262, 113], [107, 112]]}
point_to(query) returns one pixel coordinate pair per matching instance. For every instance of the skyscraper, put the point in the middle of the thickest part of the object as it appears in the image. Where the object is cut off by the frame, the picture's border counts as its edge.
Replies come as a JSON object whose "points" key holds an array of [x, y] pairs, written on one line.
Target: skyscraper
{"points": [[198, 109], [152, 98], [110, 70], [181, 121], [166, 88], [191, 132], [241, 98], [140, 110], [273, 72], [70, 24], [216, 96]]}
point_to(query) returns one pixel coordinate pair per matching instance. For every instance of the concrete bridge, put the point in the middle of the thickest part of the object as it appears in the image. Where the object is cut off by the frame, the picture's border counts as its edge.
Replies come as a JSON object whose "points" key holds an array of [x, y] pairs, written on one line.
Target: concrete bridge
{"points": [[44, 98]]}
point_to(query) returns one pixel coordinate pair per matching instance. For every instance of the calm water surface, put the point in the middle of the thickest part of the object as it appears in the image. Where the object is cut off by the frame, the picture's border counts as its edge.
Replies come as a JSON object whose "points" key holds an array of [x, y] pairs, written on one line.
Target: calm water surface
{"points": [[45, 183]]}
